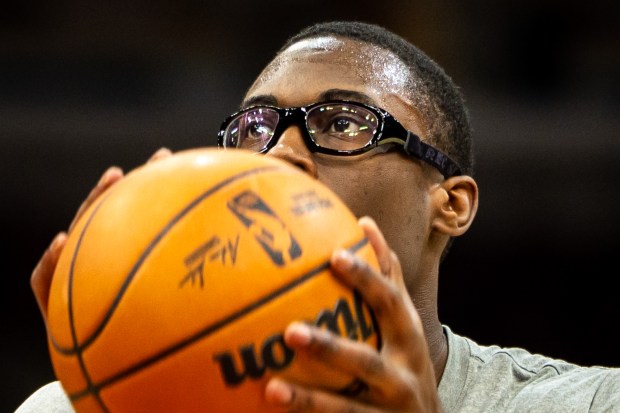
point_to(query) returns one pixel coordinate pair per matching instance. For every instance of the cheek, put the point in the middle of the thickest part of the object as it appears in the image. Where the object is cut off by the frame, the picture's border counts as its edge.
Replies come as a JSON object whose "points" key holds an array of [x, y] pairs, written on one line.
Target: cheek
{"points": [[383, 190], [358, 190], [391, 192]]}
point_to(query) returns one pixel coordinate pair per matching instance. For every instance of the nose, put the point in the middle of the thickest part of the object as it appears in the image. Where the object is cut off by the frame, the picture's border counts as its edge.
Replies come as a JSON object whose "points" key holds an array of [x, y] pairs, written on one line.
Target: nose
{"points": [[292, 148]]}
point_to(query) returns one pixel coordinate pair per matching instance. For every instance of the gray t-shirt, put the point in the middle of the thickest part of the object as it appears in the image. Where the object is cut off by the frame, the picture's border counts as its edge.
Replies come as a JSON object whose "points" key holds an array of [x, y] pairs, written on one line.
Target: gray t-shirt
{"points": [[494, 379], [476, 379]]}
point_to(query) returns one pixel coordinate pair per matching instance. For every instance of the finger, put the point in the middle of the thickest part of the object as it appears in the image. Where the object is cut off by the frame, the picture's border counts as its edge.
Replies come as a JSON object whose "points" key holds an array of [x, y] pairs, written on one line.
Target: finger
{"points": [[41, 278], [302, 400], [378, 243], [347, 356], [382, 379], [388, 261], [404, 343], [356, 273], [389, 301], [161, 153], [109, 178]]}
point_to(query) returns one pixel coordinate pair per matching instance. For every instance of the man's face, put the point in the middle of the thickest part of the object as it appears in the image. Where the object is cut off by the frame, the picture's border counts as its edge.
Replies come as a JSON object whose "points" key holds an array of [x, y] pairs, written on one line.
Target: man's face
{"points": [[391, 187]]}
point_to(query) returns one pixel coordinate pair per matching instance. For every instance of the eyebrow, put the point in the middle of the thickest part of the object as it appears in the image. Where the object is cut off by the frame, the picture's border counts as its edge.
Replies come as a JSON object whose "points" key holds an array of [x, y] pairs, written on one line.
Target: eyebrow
{"points": [[343, 94], [259, 100], [330, 94]]}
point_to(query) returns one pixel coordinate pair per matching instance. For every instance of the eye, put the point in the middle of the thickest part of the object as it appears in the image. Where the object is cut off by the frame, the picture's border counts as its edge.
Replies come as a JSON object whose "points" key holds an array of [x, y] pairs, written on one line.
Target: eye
{"points": [[258, 130], [344, 125], [341, 126]]}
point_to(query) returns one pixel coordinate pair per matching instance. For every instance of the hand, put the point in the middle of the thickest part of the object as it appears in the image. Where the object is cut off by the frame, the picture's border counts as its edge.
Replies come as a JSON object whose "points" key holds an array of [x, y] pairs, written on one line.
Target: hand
{"points": [[398, 378], [41, 278]]}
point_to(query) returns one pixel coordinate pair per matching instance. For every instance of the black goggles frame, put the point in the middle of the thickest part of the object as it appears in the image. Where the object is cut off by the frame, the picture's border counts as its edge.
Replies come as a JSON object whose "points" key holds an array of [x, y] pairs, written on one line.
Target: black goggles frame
{"points": [[389, 130]]}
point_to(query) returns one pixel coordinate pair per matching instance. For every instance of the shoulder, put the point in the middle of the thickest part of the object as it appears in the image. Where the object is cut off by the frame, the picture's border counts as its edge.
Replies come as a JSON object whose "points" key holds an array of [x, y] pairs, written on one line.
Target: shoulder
{"points": [[607, 396], [50, 398], [494, 378]]}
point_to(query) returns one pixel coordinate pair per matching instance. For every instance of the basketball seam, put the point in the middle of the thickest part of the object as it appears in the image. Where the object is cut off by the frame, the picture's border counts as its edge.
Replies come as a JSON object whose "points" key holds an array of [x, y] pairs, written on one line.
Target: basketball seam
{"points": [[78, 349], [212, 328], [134, 270]]}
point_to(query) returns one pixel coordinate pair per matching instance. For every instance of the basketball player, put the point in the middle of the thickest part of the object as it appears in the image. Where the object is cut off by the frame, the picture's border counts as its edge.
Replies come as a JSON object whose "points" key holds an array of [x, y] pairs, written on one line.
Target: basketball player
{"points": [[415, 195]]}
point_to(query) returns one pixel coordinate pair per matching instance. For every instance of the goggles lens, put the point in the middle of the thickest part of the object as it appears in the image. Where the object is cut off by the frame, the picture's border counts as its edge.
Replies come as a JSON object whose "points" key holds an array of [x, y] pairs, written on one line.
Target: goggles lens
{"points": [[252, 129], [339, 126]]}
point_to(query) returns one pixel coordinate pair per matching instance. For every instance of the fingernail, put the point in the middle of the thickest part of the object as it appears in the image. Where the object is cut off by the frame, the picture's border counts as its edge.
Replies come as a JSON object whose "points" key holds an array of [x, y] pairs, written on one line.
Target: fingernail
{"points": [[298, 334], [344, 259], [163, 151], [58, 240], [107, 175], [278, 392]]}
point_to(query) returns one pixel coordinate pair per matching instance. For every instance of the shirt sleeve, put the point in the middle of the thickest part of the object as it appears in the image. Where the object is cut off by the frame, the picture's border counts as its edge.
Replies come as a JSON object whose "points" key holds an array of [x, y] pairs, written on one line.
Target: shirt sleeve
{"points": [[607, 397], [50, 398]]}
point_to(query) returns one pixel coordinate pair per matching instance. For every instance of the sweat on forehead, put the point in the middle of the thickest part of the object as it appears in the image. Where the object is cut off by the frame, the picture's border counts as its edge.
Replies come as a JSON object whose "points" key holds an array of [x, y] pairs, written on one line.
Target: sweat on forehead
{"points": [[371, 63]]}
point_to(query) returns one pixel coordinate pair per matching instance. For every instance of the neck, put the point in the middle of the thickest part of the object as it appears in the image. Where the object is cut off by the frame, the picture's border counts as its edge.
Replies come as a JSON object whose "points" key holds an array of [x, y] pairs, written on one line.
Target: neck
{"points": [[433, 330], [438, 349]]}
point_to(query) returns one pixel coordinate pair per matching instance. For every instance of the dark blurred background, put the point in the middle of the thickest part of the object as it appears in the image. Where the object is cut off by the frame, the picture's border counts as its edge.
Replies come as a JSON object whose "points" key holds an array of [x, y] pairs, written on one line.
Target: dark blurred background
{"points": [[87, 84]]}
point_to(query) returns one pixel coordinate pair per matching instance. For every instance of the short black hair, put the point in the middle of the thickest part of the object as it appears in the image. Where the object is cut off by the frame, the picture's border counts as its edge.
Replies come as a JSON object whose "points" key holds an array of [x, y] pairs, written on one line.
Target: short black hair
{"points": [[433, 92]]}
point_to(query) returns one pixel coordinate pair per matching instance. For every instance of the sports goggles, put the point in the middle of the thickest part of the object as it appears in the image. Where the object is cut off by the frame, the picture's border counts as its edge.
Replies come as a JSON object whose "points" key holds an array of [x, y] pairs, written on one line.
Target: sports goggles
{"points": [[339, 127]]}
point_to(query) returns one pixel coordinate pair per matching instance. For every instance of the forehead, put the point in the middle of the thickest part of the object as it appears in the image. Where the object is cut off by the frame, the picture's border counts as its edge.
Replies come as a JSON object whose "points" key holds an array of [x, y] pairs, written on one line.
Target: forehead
{"points": [[308, 68]]}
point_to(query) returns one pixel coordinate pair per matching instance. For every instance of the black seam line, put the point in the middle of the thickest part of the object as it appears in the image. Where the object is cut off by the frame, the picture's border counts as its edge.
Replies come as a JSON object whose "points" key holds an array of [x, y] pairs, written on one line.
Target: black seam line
{"points": [[81, 347], [212, 328], [70, 287], [87, 378]]}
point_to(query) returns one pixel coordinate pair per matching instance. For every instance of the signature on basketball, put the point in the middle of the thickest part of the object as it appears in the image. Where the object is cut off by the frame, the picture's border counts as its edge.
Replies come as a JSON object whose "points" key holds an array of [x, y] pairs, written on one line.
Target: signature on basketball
{"points": [[261, 223], [212, 250]]}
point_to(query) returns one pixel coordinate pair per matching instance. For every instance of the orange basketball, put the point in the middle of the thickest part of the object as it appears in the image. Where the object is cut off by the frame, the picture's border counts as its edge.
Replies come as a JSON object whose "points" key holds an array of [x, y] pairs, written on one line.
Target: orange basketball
{"points": [[175, 287]]}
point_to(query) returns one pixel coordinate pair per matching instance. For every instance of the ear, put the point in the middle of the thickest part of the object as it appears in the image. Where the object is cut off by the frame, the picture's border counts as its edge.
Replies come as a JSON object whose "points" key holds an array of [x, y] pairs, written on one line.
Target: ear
{"points": [[455, 202]]}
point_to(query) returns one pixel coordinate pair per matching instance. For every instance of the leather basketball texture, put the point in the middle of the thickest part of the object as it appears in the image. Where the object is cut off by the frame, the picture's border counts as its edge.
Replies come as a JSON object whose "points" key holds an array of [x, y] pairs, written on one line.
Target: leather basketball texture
{"points": [[175, 287]]}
